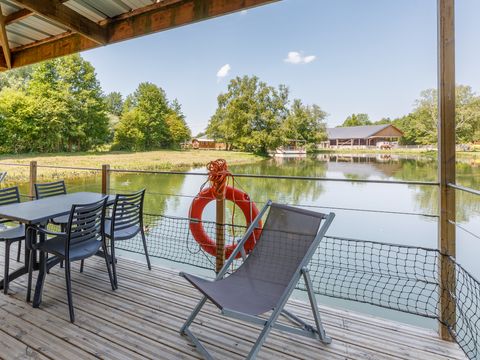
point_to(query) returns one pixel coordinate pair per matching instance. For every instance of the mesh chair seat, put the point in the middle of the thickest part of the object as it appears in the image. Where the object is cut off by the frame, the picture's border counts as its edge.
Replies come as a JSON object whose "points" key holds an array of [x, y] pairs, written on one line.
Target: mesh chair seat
{"points": [[122, 233], [249, 296], [56, 246], [15, 233]]}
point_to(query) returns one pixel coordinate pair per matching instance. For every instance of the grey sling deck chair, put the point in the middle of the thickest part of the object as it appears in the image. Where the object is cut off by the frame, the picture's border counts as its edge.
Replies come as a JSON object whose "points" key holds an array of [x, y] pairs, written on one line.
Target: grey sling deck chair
{"points": [[266, 278]]}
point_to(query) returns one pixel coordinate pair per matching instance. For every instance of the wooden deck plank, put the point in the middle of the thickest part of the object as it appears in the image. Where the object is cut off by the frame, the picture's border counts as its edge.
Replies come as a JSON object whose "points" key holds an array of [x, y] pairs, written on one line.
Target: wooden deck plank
{"points": [[397, 350], [141, 320], [403, 335], [15, 349]]}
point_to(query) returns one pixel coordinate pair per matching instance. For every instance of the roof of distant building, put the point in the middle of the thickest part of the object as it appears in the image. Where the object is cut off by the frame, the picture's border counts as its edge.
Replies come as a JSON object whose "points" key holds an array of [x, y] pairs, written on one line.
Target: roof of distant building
{"points": [[355, 132]]}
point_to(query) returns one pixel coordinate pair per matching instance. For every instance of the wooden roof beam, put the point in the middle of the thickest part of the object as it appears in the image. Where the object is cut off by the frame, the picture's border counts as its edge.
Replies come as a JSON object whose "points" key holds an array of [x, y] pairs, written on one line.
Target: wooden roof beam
{"points": [[4, 41], [17, 16], [159, 16], [55, 11], [169, 14]]}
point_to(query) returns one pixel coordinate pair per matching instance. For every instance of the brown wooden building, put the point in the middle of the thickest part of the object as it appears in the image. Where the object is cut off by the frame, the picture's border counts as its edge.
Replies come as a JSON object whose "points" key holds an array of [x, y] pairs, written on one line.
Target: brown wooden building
{"points": [[369, 135], [207, 144]]}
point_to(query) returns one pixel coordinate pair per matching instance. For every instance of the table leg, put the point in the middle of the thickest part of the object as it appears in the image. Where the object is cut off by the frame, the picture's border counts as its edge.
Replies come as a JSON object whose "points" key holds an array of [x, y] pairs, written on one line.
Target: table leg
{"points": [[37, 296]]}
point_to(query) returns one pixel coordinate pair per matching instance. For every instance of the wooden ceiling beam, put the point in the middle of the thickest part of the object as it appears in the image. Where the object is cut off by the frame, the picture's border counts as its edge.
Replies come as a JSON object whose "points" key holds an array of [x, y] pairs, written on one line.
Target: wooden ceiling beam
{"points": [[169, 14], [55, 11], [17, 16], [159, 17], [62, 46], [4, 41]]}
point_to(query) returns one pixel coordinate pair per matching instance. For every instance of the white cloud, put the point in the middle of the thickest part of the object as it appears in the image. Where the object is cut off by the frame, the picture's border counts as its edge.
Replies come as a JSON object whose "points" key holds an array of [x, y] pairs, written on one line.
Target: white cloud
{"points": [[309, 59], [243, 12], [294, 57], [224, 70]]}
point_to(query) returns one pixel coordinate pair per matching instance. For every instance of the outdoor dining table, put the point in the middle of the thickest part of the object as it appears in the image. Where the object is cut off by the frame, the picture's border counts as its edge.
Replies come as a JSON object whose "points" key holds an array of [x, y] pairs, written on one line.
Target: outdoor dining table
{"points": [[37, 213]]}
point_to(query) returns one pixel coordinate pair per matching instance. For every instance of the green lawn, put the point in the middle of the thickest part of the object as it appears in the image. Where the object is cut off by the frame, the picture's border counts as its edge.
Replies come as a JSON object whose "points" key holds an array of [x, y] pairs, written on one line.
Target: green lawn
{"points": [[151, 160]]}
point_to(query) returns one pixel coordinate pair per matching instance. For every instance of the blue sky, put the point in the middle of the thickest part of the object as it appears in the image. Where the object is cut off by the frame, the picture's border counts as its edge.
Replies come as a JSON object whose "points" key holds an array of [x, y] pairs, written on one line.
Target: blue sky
{"points": [[348, 56]]}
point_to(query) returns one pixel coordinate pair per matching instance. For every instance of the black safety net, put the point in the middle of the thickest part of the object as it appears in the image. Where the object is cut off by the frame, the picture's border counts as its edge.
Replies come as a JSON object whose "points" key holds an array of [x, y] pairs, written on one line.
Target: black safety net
{"points": [[397, 277]]}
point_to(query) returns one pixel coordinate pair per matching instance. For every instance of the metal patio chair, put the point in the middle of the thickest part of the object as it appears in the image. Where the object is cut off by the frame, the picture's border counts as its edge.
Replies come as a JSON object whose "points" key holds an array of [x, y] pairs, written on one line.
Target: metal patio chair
{"points": [[10, 235], [125, 223], [265, 280], [83, 238], [53, 189], [44, 190]]}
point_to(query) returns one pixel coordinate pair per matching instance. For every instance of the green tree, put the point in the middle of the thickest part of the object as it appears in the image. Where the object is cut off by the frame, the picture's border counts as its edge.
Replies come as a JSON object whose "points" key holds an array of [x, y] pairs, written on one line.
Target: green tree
{"points": [[70, 102], [249, 115], [383, 121], [21, 127], [305, 122], [16, 78], [357, 120], [149, 121], [420, 126], [177, 127], [114, 102]]}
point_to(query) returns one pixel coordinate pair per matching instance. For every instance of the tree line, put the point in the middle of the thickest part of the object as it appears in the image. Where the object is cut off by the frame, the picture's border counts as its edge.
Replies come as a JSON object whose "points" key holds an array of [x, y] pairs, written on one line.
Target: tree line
{"points": [[255, 117], [420, 125], [58, 105]]}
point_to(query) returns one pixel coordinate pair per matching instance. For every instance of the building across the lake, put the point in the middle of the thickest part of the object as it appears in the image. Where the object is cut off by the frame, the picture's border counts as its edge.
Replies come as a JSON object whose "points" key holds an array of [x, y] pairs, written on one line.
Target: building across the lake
{"points": [[204, 143], [369, 135]]}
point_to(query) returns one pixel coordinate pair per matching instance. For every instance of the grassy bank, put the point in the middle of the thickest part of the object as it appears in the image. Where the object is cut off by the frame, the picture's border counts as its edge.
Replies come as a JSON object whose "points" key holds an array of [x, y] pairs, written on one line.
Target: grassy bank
{"points": [[151, 160]]}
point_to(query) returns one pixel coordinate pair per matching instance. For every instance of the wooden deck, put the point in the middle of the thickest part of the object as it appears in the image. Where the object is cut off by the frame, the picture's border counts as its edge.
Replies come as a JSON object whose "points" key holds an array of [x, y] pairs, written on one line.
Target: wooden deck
{"points": [[141, 320]]}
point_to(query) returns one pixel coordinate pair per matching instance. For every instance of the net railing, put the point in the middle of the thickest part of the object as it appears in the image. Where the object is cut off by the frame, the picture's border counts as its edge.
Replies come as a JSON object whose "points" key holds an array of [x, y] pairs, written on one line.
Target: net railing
{"points": [[397, 277], [463, 290]]}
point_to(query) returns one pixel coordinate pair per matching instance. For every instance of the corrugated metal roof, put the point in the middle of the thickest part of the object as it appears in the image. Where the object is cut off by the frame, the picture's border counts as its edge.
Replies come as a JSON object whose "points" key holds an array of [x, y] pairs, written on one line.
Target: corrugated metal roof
{"points": [[35, 28], [86, 10], [9, 8], [43, 25], [355, 132], [136, 4], [100, 10]]}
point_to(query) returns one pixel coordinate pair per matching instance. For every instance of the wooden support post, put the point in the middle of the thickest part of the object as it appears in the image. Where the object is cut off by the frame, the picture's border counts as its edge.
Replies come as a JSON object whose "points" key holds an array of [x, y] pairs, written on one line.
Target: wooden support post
{"points": [[33, 179], [220, 234], [446, 162], [105, 179]]}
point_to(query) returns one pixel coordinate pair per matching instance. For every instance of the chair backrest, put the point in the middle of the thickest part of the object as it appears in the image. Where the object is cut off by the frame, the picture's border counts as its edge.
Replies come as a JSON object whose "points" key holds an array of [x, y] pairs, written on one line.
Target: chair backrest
{"points": [[9, 195], [50, 189], [85, 224], [288, 240], [128, 210]]}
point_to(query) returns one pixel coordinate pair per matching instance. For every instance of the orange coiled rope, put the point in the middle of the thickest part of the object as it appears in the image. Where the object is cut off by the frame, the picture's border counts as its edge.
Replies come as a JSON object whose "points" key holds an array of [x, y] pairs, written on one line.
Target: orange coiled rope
{"points": [[218, 175]]}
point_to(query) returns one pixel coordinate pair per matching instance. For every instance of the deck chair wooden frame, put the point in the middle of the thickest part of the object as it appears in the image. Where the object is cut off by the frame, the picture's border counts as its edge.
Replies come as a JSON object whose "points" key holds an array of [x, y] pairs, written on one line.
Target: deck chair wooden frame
{"points": [[315, 331]]}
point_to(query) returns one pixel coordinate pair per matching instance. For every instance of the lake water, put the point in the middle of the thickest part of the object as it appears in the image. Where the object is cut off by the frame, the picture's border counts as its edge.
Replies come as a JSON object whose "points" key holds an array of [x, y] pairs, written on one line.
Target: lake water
{"points": [[363, 211]]}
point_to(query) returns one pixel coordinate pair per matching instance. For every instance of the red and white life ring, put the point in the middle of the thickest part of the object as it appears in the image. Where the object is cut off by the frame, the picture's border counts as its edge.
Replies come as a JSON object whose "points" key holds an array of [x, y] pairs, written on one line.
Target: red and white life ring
{"points": [[242, 200]]}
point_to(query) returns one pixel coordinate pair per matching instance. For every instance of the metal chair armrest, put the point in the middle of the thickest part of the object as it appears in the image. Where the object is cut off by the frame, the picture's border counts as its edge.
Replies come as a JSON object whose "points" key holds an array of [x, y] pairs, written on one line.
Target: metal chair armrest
{"points": [[50, 232]]}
